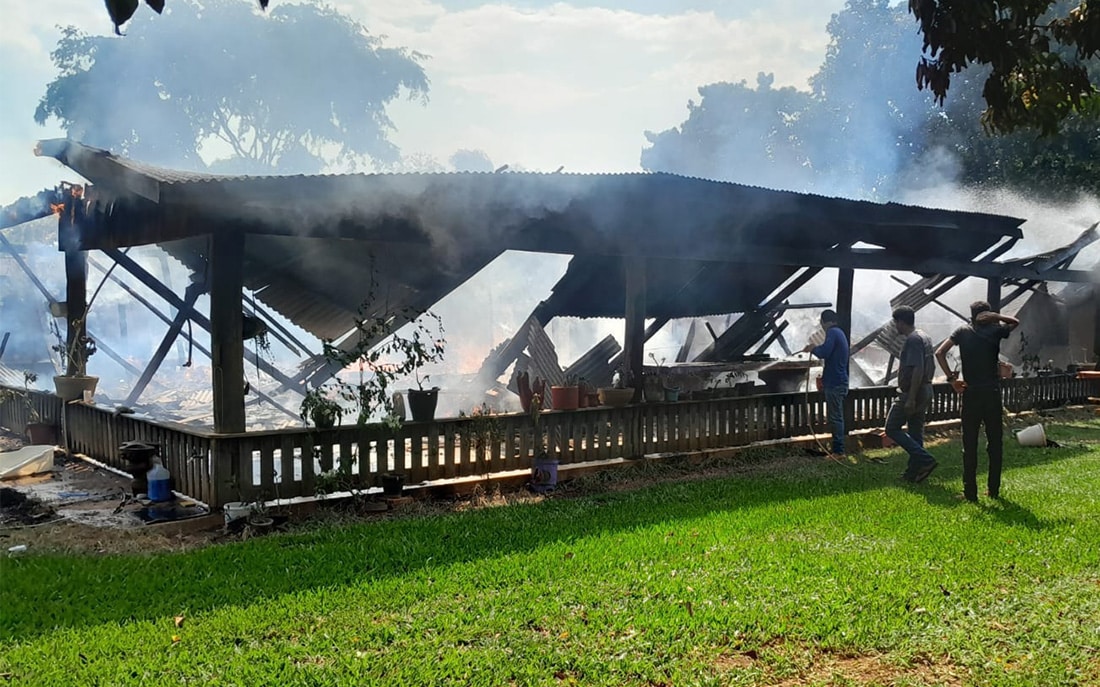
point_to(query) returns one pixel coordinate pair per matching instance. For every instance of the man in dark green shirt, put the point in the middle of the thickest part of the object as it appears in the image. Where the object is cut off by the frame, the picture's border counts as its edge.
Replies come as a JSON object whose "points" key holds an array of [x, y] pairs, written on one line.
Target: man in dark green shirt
{"points": [[979, 349]]}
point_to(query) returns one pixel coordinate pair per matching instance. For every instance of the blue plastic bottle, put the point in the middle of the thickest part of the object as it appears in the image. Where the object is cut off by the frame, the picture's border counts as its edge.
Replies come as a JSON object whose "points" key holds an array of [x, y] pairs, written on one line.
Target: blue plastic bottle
{"points": [[158, 478]]}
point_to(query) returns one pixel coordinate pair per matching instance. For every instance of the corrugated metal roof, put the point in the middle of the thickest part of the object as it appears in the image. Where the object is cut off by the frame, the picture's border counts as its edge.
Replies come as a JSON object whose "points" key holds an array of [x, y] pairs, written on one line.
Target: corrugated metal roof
{"points": [[431, 232]]}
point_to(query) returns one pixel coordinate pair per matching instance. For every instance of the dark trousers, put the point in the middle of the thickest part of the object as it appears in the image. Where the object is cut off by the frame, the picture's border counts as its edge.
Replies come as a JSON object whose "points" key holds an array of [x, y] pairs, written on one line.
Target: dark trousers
{"points": [[834, 406], [982, 406]]}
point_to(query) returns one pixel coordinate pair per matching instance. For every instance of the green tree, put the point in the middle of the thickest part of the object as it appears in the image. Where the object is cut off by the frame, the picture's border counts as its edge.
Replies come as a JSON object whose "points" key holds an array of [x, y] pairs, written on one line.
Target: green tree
{"points": [[737, 133], [863, 131], [1040, 54], [288, 90]]}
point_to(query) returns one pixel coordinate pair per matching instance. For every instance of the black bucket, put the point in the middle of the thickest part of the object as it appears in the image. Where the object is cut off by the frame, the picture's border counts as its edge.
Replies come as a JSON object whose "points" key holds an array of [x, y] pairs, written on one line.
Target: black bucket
{"points": [[139, 461]]}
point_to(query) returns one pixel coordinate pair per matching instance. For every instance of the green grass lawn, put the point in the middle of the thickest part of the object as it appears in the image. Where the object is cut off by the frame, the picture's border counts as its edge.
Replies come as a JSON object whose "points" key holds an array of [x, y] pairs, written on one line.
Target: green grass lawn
{"points": [[806, 573]]}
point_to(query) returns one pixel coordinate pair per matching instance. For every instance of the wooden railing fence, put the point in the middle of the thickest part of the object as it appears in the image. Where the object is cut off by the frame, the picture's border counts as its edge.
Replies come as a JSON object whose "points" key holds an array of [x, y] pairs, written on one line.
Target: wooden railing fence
{"points": [[217, 468]]}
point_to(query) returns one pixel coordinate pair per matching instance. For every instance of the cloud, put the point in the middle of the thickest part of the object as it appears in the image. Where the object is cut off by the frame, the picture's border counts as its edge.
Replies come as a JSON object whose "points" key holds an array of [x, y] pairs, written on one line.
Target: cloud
{"points": [[540, 85], [563, 84]]}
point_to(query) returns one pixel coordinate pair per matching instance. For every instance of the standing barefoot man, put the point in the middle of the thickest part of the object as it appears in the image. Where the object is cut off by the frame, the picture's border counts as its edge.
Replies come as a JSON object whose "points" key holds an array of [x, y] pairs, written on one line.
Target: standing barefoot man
{"points": [[979, 348]]}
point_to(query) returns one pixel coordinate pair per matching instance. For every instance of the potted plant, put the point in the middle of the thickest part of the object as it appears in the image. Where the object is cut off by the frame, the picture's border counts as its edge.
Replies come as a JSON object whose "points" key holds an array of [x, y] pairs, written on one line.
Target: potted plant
{"points": [[485, 429], [72, 385], [528, 389], [565, 397], [669, 392], [259, 520], [544, 468], [386, 345], [319, 407], [422, 402], [621, 391]]}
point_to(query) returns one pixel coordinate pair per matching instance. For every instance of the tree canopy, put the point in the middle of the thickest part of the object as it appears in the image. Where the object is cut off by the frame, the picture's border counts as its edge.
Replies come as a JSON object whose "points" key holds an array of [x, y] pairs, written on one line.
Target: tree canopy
{"points": [[1040, 53], [861, 130], [289, 90]]}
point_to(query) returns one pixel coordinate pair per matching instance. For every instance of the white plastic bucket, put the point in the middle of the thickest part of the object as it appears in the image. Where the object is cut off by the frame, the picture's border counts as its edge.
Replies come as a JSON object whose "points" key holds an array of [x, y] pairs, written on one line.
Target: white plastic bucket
{"points": [[236, 510], [1032, 436]]}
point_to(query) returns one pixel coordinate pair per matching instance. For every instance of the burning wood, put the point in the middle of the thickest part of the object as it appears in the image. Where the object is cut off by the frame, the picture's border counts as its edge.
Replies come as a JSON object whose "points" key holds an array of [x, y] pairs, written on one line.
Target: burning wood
{"points": [[29, 208]]}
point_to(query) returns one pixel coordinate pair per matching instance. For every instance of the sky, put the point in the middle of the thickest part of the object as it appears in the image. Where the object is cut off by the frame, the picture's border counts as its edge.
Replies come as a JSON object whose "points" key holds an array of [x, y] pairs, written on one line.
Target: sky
{"points": [[534, 84]]}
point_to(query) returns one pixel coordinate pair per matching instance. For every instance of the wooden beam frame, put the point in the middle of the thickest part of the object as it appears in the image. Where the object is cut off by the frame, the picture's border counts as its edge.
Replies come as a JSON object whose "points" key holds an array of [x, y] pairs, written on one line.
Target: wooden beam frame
{"points": [[227, 330], [634, 346]]}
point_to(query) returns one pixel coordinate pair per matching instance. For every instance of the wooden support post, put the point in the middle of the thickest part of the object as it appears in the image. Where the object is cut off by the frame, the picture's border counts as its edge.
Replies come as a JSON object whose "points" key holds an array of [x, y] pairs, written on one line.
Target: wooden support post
{"points": [[227, 330], [993, 294], [633, 350], [844, 286], [76, 286], [1096, 321]]}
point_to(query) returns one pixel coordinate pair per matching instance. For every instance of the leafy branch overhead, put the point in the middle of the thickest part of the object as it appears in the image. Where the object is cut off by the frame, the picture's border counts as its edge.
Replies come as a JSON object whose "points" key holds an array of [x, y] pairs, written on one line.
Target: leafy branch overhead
{"points": [[1040, 56], [122, 10]]}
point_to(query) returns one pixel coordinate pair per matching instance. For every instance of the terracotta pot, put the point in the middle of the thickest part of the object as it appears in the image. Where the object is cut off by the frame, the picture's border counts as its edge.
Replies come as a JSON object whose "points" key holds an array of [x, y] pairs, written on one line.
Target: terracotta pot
{"points": [[616, 398], [564, 397]]}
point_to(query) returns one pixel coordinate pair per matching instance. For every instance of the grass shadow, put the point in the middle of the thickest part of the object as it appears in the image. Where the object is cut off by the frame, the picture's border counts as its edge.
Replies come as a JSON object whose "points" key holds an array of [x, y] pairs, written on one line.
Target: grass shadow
{"points": [[43, 593]]}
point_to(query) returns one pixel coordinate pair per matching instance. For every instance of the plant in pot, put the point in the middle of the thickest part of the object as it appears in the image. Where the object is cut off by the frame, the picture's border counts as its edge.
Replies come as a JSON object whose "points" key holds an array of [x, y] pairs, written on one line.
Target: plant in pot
{"points": [[485, 429], [670, 393], [566, 396], [71, 385], [621, 391], [321, 407], [544, 468], [422, 402], [528, 389], [386, 345], [259, 519]]}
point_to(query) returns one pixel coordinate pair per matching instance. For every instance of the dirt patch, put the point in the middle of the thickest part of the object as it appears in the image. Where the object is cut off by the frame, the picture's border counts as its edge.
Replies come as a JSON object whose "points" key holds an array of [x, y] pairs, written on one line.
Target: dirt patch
{"points": [[72, 537], [829, 668]]}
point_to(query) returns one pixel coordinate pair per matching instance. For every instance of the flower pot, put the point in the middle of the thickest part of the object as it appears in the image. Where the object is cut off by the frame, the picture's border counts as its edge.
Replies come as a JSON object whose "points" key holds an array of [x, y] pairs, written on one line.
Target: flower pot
{"points": [[672, 395], [260, 524], [236, 510], [544, 474], [41, 434], [652, 389], [564, 397], [323, 418], [72, 387], [1032, 436], [393, 483], [1005, 369], [593, 399], [616, 398], [422, 404]]}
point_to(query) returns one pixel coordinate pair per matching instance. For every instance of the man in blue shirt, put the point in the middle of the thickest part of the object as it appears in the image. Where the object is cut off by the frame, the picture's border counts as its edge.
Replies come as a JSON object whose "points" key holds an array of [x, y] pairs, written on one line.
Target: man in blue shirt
{"points": [[834, 351]]}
